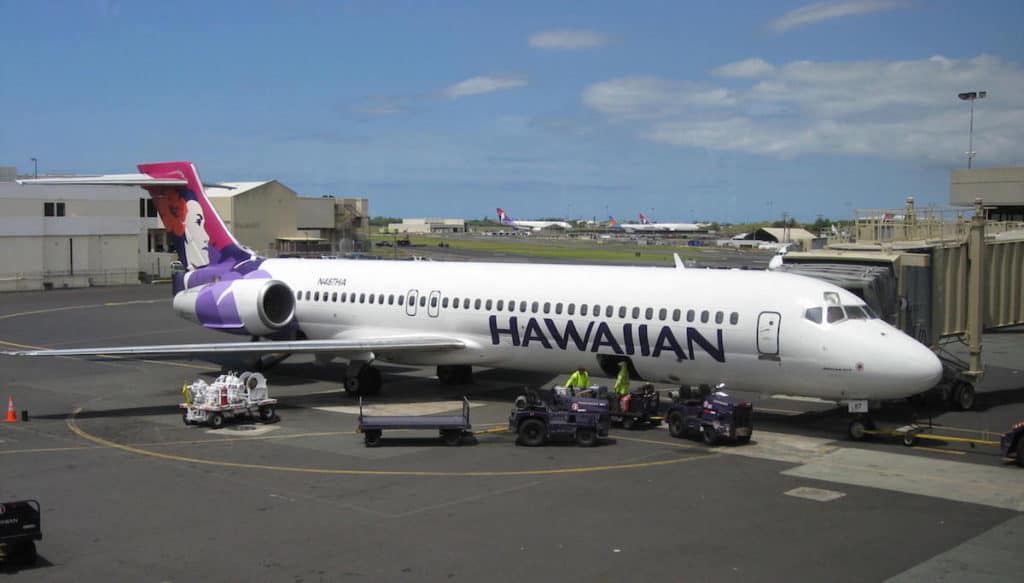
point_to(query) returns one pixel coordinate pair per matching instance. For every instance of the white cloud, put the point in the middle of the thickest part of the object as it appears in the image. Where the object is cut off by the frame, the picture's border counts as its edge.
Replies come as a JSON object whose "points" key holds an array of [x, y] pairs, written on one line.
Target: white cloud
{"points": [[482, 84], [568, 40], [896, 109], [747, 68], [822, 11]]}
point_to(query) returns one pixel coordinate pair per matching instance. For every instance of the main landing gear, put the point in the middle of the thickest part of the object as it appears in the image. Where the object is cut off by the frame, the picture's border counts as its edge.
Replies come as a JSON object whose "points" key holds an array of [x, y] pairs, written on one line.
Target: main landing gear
{"points": [[362, 379]]}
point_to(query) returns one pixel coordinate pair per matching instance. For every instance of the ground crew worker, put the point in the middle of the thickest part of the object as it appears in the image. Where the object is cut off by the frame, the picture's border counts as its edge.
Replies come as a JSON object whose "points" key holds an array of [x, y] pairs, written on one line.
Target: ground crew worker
{"points": [[579, 379], [622, 385]]}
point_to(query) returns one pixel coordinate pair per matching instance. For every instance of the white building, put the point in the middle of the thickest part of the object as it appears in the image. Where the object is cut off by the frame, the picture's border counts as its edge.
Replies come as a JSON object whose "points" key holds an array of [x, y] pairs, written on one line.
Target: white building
{"points": [[427, 226]]}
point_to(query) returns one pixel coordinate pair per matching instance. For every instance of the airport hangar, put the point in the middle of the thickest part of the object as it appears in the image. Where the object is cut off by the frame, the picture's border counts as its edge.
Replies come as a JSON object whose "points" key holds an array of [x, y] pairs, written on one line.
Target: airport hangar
{"points": [[80, 236]]}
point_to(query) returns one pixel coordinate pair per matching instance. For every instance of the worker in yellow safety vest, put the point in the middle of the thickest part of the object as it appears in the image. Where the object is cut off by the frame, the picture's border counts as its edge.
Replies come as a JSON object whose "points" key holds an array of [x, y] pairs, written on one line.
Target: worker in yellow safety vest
{"points": [[579, 379], [622, 385]]}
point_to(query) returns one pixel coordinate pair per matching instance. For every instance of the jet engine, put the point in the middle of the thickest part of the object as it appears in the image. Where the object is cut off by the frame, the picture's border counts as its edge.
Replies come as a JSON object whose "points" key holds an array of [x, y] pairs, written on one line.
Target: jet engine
{"points": [[251, 306]]}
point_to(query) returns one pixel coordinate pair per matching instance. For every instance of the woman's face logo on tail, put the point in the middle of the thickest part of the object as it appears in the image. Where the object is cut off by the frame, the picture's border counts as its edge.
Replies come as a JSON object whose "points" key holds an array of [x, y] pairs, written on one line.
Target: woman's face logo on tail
{"points": [[197, 241]]}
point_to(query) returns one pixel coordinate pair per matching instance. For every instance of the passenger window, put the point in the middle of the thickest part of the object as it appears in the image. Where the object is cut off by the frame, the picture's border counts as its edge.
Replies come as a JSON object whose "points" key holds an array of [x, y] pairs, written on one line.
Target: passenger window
{"points": [[558, 308], [316, 297], [362, 298], [455, 303], [326, 299], [571, 309], [704, 315], [636, 313], [813, 314], [433, 301], [500, 305], [352, 297], [334, 297], [734, 318], [597, 310], [476, 303], [662, 314], [719, 317], [511, 305], [371, 298], [583, 309], [522, 306], [401, 300], [676, 314], [444, 302], [622, 312], [835, 314], [298, 295], [423, 301], [307, 296], [534, 307], [344, 297], [391, 299], [609, 311], [547, 307], [648, 313], [690, 315], [380, 299], [488, 304]]}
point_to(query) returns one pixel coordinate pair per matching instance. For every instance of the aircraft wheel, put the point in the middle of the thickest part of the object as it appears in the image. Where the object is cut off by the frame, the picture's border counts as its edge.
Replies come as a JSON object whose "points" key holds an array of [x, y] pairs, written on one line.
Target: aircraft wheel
{"points": [[586, 437], [628, 422], [353, 388], [742, 440], [185, 420], [452, 438], [371, 381], [856, 430], [909, 438], [676, 426], [963, 396], [532, 433], [266, 412]]}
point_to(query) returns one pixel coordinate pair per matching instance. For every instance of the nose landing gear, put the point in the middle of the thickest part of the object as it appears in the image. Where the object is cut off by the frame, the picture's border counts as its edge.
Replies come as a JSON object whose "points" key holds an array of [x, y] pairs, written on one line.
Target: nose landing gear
{"points": [[859, 427]]}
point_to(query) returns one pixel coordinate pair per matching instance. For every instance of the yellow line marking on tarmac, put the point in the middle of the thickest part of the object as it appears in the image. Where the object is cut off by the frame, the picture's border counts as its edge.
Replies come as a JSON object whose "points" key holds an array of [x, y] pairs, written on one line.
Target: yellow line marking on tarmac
{"points": [[49, 449], [73, 426], [79, 307], [940, 450]]}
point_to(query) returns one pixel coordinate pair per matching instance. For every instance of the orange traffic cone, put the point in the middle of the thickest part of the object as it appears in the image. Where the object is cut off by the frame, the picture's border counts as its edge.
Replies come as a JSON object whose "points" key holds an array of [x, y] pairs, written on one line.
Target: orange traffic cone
{"points": [[12, 417]]}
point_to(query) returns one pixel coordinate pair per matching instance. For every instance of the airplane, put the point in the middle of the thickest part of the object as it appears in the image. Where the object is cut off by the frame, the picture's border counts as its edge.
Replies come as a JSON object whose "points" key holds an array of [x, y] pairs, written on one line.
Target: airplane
{"points": [[647, 225], [508, 221], [678, 325]]}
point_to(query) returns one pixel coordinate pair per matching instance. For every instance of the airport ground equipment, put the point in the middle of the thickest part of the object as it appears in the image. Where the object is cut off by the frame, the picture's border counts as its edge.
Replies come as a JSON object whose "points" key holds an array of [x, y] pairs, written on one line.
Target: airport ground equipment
{"points": [[20, 528], [716, 418], [536, 419], [1012, 443], [644, 406], [452, 428], [228, 397]]}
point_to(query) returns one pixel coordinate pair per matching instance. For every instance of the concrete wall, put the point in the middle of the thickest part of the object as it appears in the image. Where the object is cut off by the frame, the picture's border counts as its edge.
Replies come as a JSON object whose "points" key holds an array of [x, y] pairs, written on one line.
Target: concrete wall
{"points": [[995, 186], [315, 213]]}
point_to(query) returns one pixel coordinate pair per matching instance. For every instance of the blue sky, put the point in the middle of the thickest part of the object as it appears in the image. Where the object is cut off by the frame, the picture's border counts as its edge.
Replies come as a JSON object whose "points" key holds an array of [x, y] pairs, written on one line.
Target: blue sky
{"points": [[725, 111]]}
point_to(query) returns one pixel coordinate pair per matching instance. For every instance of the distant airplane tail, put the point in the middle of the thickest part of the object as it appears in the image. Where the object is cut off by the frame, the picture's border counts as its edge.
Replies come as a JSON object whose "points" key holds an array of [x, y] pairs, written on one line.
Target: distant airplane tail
{"points": [[643, 220], [503, 217], [612, 222]]}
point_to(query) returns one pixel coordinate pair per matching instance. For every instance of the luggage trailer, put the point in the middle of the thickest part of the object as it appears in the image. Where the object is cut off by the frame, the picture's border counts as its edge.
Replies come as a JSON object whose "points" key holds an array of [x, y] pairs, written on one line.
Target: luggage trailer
{"points": [[452, 428]]}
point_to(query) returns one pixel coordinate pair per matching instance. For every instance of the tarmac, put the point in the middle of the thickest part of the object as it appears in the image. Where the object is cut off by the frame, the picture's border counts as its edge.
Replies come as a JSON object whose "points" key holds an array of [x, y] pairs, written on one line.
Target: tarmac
{"points": [[130, 493]]}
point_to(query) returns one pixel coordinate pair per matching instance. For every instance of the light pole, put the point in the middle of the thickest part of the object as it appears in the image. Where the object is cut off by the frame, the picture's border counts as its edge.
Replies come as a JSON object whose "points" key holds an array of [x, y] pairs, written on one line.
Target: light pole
{"points": [[971, 96], [35, 167]]}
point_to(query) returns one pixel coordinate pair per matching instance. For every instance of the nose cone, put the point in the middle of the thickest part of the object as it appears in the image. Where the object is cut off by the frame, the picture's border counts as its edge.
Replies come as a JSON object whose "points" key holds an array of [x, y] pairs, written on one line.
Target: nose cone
{"points": [[922, 370]]}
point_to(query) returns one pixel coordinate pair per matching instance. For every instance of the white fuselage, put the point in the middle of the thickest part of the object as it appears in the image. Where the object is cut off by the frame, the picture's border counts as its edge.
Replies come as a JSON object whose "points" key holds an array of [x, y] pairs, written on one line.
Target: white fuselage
{"points": [[537, 225], [662, 227], [682, 326]]}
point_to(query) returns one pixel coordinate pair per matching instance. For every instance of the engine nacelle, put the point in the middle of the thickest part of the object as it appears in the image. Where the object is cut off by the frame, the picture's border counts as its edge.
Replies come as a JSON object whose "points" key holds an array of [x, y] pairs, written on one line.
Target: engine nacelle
{"points": [[248, 306]]}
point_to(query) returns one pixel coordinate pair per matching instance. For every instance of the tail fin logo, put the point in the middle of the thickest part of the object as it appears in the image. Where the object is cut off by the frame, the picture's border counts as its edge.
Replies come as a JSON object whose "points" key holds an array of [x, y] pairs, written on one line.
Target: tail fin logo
{"points": [[612, 222], [643, 220], [502, 217]]}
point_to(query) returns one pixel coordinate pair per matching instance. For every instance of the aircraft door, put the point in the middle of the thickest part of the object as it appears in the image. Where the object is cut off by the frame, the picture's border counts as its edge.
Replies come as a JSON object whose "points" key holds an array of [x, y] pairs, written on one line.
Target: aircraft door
{"points": [[768, 334], [410, 301], [434, 304]]}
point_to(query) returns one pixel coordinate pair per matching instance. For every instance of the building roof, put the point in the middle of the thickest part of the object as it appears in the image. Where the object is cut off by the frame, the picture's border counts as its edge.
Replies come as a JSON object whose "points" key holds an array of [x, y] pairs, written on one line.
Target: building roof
{"points": [[230, 189]]}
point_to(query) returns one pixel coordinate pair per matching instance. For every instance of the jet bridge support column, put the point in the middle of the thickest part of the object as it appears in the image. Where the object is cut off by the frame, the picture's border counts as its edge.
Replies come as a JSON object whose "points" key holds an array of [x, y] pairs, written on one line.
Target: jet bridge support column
{"points": [[975, 292]]}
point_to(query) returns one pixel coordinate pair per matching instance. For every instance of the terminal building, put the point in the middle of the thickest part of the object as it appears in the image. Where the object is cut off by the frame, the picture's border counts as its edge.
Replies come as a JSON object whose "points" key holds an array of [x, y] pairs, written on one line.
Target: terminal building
{"points": [[78, 236]]}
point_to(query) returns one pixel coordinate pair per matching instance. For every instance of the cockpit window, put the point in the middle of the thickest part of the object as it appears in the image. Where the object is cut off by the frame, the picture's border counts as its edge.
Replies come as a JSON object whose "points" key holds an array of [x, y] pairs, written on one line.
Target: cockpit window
{"points": [[835, 314], [813, 314], [856, 313]]}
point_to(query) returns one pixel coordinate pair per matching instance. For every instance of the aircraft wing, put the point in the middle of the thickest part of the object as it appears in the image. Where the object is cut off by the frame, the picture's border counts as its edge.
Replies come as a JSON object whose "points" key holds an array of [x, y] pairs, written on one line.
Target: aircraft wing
{"points": [[407, 343]]}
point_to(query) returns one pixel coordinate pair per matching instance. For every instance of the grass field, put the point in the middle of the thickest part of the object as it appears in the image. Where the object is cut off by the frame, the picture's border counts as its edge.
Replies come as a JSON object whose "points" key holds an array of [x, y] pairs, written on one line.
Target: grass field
{"points": [[590, 250]]}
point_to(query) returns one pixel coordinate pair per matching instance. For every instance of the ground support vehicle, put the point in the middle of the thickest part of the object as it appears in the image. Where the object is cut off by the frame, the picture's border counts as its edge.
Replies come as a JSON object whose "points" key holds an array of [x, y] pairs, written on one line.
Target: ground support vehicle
{"points": [[227, 397], [644, 405], [1012, 443], [716, 418], [20, 528], [452, 428], [536, 420]]}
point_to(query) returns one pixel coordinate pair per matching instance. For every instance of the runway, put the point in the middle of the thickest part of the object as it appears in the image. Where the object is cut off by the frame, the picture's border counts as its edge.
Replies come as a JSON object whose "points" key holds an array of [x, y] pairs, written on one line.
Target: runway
{"points": [[130, 493]]}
